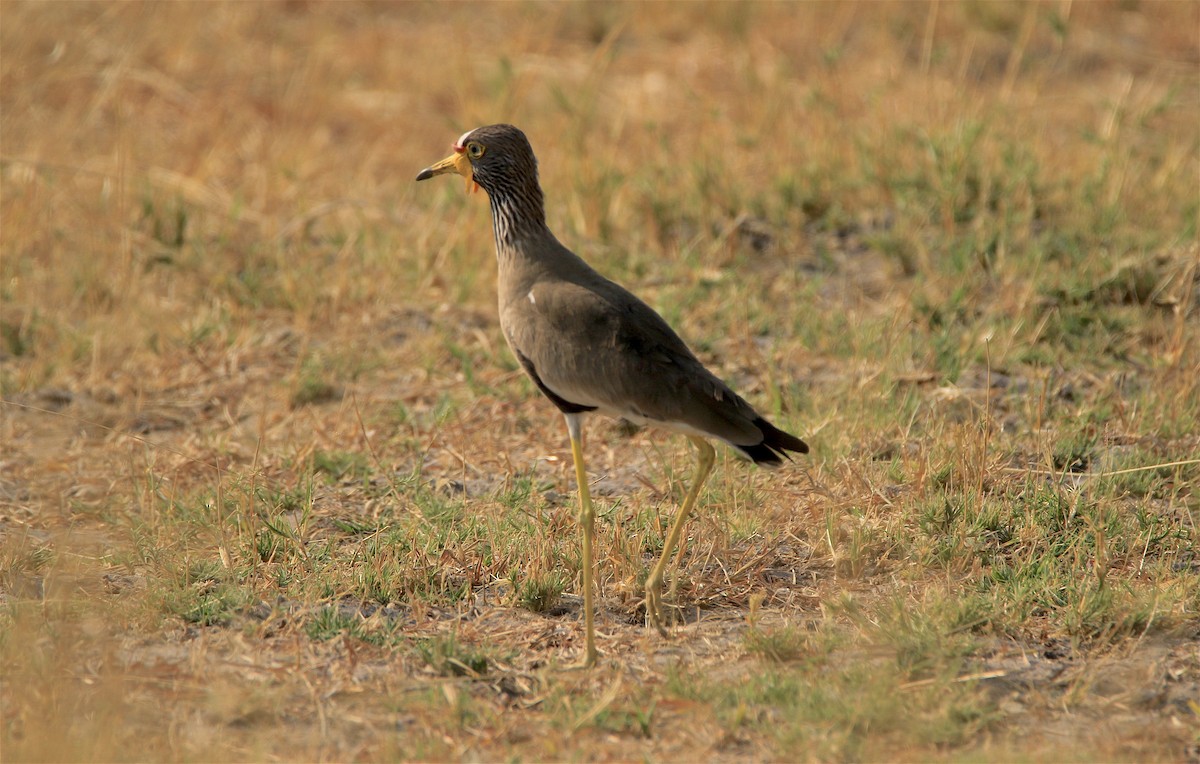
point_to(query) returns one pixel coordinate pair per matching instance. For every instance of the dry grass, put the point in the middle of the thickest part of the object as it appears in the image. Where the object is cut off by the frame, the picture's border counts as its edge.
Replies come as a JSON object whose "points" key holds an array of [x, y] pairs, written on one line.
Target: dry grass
{"points": [[272, 487]]}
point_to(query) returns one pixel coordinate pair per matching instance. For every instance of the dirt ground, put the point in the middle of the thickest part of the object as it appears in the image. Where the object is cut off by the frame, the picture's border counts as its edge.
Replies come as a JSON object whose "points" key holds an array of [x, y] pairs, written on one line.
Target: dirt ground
{"points": [[273, 488]]}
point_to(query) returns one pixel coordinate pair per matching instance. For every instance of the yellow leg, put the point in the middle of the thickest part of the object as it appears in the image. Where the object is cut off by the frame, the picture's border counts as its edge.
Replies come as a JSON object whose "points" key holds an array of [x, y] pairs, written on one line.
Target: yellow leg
{"points": [[587, 524], [654, 582]]}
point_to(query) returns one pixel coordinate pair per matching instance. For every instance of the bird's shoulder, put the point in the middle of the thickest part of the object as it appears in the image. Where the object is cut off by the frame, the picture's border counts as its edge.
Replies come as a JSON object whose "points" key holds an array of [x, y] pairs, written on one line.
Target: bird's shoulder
{"points": [[603, 313]]}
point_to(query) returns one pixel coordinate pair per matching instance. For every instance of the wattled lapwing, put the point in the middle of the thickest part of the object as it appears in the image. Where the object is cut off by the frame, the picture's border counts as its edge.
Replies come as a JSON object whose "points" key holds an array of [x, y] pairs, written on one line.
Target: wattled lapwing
{"points": [[591, 346]]}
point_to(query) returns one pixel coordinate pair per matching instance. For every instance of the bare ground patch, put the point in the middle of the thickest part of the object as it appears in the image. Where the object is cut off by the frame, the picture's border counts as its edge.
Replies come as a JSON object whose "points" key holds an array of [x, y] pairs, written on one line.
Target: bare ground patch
{"points": [[271, 486]]}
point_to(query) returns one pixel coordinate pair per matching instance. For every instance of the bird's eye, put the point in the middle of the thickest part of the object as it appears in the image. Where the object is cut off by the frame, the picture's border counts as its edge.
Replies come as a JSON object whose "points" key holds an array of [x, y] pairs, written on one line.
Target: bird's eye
{"points": [[474, 150]]}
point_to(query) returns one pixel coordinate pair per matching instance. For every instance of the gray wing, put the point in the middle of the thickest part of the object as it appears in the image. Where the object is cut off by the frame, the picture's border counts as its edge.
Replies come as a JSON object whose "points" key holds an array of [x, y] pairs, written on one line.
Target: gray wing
{"points": [[595, 345]]}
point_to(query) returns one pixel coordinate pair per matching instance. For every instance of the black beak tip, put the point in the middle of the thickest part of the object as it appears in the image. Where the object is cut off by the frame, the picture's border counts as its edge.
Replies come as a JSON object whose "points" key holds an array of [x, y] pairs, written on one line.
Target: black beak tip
{"points": [[425, 174]]}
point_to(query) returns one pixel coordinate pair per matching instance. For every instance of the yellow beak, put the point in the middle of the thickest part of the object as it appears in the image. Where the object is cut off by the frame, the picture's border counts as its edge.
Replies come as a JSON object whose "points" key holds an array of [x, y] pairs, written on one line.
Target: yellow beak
{"points": [[456, 162]]}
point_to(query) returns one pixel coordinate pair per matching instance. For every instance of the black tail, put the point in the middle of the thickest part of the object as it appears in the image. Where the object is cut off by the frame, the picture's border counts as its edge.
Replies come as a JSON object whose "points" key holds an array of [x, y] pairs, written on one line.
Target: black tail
{"points": [[773, 448]]}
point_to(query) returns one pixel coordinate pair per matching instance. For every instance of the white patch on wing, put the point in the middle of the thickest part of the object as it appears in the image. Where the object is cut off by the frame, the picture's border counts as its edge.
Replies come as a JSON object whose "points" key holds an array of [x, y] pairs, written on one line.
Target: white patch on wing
{"points": [[532, 301]]}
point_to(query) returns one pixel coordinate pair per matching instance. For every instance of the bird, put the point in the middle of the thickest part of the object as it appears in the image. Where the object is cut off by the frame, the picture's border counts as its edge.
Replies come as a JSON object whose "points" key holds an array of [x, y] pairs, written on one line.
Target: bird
{"points": [[591, 346]]}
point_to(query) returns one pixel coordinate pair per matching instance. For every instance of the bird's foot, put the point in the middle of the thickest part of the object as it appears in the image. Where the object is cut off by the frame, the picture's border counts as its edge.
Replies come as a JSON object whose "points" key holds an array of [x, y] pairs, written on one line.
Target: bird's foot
{"points": [[589, 662], [654, 607]]}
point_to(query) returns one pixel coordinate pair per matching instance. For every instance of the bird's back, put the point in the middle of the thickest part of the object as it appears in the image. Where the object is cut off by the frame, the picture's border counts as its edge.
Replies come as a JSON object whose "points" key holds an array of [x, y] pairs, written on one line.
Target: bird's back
{"points": [[591, 343]]}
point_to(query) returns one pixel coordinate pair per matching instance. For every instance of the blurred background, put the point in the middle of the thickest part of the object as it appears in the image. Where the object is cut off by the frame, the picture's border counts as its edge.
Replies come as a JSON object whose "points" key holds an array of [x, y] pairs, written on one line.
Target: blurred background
{"points": [[157, 153], [265, 456]]}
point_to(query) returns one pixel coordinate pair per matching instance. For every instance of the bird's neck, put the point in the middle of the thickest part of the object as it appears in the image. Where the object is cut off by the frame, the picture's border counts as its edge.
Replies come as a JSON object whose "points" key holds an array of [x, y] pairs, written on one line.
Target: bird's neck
{"points": [[518, 219]]}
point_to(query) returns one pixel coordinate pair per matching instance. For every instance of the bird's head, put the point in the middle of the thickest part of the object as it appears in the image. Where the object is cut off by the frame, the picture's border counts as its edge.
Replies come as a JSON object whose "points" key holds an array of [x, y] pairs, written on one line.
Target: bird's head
{"points": [[495, 157]]}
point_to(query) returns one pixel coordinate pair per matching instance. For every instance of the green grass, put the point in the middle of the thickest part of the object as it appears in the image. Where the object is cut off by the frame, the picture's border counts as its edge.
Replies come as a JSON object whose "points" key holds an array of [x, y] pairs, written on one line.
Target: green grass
{"points": [[269, 465], [447, 657]]}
